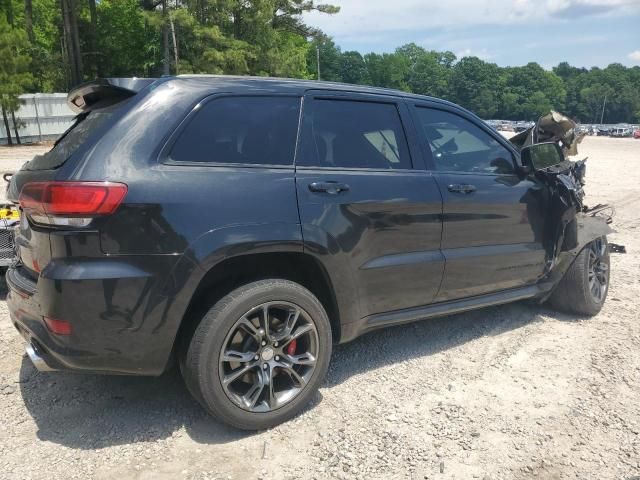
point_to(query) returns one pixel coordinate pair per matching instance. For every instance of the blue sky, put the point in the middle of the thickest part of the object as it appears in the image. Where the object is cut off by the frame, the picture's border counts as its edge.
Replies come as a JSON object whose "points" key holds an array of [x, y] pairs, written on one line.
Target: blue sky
{"points": [[585, 33]]}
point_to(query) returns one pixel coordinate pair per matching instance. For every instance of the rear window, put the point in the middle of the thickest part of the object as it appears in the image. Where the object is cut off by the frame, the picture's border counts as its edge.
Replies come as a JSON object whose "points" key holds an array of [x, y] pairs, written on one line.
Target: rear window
{"points": [[83, 125], [241, 130]]}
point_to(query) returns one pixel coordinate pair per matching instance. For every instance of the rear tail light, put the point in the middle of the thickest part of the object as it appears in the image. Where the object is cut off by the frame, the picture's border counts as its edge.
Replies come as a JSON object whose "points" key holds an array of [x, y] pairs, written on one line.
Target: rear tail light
{"points": [[70, 203]]}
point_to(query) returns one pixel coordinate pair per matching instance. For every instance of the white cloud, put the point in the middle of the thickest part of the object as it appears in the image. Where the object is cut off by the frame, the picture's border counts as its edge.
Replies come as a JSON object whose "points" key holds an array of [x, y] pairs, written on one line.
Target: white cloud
{"points": [[481, 54], [367, 17], [635, 56]]}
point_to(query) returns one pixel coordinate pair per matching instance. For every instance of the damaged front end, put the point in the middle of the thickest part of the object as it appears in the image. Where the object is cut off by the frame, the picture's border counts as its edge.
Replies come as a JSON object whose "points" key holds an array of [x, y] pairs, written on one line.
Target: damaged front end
{"points": [[569, 224]]}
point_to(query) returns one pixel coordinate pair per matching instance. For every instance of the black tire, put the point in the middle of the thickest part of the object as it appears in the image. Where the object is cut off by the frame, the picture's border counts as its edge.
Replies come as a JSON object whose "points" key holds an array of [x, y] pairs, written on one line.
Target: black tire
{"points": [[573, 294], [201, 360]]}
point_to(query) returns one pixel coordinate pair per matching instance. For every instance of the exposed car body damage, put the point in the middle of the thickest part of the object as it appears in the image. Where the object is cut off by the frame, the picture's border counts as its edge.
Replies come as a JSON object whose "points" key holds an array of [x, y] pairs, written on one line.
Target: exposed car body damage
{"points": [[552, 127], [570, 224]]}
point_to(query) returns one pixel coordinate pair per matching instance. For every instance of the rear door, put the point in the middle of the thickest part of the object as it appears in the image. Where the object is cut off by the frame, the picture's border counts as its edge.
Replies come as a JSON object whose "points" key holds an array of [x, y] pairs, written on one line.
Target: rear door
{"points": [[493, 221], [368, 208]]}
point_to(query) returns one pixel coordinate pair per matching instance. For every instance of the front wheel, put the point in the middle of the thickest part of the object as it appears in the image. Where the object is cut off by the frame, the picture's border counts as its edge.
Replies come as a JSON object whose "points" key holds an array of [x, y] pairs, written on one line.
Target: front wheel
{"points": [[584, 287], [259, 354]]}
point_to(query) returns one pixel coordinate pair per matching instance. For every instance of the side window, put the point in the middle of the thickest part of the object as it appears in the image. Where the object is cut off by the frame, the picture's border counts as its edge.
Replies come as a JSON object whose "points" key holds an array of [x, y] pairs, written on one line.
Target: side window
{"points": [[242, 130], [353, 134], [459, 145]]}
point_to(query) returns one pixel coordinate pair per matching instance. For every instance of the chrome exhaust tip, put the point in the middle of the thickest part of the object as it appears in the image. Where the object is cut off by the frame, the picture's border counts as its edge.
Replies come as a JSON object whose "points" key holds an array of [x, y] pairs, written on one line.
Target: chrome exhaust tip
{"points": [[37, 360]]}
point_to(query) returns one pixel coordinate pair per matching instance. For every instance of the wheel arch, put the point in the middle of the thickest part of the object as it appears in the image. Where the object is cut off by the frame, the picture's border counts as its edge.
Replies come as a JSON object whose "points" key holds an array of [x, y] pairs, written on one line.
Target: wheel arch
{"points": [[230, 273]]}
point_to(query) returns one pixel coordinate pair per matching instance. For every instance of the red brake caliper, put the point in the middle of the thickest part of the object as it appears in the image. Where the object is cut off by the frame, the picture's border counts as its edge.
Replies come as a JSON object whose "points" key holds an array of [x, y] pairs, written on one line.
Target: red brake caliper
{"points": [[291, 348]]}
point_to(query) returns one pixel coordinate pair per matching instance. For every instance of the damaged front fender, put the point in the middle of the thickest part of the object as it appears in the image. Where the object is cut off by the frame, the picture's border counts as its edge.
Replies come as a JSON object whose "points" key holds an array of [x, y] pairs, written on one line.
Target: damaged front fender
{"points": [[588, 228], [569, 224]]}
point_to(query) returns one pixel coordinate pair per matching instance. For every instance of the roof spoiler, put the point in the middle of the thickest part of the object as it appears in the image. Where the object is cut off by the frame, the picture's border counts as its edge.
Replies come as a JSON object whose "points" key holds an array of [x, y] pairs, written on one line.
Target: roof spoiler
{"points": [[105, 90]]}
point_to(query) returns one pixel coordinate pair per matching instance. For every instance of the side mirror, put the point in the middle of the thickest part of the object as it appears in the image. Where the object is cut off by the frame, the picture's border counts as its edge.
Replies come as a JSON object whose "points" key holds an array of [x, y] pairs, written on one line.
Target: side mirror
{"points": [[541, 155], [524, 170]]}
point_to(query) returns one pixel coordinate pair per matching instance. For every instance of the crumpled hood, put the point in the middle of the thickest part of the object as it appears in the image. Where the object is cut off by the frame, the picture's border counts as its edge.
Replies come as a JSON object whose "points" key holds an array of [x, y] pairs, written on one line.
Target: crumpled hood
{"points": [[552, 127]]}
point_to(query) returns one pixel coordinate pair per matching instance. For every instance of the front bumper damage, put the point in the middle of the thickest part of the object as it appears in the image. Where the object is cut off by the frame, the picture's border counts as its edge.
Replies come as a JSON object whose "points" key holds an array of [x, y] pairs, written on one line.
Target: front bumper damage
{"points": [[569, 225]]}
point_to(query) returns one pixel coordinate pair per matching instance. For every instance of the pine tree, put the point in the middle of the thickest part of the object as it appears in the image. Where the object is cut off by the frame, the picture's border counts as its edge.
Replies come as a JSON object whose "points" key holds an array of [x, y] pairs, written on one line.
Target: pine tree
{"points": [[14, 71]]}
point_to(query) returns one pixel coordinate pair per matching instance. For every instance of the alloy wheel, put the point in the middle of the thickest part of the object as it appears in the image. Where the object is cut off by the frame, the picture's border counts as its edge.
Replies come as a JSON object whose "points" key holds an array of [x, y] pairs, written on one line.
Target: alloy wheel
{"points": [[598, 270], [268, 356]]}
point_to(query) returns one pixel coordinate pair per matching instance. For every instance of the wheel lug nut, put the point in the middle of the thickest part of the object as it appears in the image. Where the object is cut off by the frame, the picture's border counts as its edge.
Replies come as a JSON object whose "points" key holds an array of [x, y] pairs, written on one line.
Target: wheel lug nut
{"points": [[256, 357], [265, 366], [277, 358], [275, 344], [264, 343]]}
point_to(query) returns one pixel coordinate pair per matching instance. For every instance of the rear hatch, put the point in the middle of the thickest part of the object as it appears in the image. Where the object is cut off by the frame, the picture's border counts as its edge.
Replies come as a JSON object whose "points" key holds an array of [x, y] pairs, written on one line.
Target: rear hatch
{"points": [[95, 103]]}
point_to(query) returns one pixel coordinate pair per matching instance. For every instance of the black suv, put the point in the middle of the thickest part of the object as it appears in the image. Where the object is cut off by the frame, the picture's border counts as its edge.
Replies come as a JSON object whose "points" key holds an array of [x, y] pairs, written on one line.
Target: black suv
{"points": [[243, 225]]}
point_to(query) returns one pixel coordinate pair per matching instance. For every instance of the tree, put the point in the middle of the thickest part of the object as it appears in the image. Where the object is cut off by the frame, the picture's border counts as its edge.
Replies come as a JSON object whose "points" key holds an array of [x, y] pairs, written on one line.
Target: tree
{"points": [[323, 47], [536, 90], [387, 70], [474, 85], [72, 41], [28, 20], [93, 41], [14, 71], [593, 100], [353, 69], [127, 44]]}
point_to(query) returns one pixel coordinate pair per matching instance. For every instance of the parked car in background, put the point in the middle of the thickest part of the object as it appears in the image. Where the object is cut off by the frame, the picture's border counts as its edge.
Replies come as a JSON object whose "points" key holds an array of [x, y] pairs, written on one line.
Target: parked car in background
{"points": [[621, 131], [636, 134], [242, 226], [603, 131]]}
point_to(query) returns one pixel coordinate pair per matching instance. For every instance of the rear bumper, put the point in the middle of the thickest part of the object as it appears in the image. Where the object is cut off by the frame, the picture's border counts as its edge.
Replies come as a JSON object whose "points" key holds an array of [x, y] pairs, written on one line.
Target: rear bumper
{"points": [[38, 359], [119, 323]]}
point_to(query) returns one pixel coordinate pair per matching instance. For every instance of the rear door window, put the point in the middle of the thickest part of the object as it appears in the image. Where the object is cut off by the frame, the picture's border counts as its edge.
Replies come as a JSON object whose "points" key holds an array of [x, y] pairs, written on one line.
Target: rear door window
{"points": [[240, 130], [355, 134]]}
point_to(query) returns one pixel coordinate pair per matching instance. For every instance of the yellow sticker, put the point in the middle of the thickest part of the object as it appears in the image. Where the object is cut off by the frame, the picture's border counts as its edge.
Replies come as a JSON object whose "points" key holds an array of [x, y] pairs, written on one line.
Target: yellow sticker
{"points": [[9, 214]]}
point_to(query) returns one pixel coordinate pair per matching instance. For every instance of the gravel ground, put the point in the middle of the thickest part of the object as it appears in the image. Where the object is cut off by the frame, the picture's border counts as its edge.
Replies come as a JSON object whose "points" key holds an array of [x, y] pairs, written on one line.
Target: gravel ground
{"points": [[512, 392]]}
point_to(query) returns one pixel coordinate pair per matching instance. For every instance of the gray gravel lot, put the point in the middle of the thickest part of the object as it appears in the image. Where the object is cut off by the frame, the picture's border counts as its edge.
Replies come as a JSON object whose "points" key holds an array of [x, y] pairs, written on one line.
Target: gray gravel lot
{"points": [[512, 392]]}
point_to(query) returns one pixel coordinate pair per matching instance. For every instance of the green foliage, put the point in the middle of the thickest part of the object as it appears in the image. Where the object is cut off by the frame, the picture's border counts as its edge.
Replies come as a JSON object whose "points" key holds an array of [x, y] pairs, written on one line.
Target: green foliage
{"points": [[15, 77], [330, 55], [475, 84], [353, 69], [269, 37], [124, 37]]}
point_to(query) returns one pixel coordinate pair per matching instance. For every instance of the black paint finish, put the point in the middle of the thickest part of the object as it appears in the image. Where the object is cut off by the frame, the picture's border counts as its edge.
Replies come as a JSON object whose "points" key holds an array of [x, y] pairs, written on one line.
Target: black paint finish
{"points": [[387, 241]]}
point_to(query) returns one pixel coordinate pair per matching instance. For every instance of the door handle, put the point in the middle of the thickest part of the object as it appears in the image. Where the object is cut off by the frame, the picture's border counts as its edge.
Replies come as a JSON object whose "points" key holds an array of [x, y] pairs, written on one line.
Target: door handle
{"points": [[332, 188], [461, 188]]}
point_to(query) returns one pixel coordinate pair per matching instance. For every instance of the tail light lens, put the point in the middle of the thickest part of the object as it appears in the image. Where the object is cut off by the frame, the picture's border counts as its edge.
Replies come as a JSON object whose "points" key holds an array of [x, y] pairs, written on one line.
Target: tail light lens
{"points": [[70, 203]]}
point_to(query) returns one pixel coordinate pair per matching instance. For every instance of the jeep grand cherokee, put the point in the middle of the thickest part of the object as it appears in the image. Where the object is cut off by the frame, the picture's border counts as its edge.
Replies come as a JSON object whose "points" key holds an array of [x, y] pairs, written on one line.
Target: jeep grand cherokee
{"points": [[244, 225]]}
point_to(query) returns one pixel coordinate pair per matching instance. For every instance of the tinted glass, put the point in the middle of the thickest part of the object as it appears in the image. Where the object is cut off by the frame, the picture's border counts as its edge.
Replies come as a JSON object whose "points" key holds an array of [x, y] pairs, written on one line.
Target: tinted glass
{"points": [[459, 145], [71, 140], [242, 130], [350, 134]]}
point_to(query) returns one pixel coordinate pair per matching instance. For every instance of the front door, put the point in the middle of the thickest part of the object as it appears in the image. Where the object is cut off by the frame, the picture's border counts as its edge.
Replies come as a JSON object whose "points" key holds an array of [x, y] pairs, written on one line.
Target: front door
{"points": [[493, 223], [366, 212]]}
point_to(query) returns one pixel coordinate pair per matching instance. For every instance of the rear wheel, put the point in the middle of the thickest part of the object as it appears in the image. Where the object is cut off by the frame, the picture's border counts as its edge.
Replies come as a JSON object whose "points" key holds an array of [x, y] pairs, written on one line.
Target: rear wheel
{"points": [[583, 289], [259, 354]]}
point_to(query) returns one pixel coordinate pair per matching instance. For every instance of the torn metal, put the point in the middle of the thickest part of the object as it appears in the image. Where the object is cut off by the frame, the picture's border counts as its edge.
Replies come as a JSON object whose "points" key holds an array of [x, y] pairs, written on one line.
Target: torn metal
{"points": [[552, 127], [569, 224]]}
